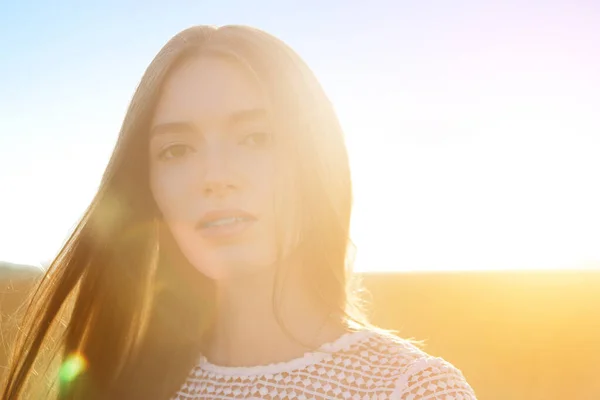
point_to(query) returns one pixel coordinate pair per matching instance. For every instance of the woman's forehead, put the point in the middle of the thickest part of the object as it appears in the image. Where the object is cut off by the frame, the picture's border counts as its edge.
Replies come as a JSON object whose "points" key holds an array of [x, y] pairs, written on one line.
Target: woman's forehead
{"points": [[208, 88]]}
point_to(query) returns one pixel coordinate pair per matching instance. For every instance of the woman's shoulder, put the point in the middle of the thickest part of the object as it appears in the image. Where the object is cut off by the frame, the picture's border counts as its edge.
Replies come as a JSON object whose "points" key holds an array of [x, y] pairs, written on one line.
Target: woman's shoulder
{"points": [[401, 365]]}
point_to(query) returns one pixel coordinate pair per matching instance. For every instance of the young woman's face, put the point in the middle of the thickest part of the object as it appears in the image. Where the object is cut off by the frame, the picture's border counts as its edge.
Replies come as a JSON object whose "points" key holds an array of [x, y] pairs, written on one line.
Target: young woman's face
{"points": [[212, 167]]}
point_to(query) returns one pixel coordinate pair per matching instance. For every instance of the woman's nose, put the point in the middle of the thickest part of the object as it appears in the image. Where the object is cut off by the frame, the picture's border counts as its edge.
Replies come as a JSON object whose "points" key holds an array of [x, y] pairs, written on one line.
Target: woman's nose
{"points": [[218, 179]]}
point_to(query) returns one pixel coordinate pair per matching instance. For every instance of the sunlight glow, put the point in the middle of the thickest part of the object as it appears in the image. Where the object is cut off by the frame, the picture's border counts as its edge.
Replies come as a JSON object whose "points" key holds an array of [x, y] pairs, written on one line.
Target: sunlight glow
{"points": [[508, 191]]}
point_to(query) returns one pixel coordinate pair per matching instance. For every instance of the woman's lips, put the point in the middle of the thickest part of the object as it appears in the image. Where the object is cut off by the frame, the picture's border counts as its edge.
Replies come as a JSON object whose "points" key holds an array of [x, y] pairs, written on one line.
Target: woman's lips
{"points": [[223, 224]]}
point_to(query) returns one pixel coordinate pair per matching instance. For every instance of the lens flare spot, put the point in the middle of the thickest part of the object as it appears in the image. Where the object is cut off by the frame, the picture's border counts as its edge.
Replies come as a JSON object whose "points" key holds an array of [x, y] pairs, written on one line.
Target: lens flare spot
{"points": [[73, 366]]}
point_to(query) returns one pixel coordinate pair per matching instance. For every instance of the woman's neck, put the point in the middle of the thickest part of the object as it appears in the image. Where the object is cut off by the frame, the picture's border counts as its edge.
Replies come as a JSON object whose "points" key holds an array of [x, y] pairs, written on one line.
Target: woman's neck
{"points": [[256, 325]]}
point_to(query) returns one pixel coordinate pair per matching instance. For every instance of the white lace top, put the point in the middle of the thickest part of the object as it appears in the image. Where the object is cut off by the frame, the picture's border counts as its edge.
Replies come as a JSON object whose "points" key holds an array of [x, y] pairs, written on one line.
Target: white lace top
{"points": [[363, 365]]}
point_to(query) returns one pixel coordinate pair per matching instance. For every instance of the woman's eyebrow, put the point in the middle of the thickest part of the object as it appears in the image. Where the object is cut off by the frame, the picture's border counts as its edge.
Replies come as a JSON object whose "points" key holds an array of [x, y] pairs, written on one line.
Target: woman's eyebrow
{"points": [[236, 117]]}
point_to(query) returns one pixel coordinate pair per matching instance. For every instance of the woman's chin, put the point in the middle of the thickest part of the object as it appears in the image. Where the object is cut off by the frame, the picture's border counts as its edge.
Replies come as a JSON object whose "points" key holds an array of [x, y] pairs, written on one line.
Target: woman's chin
{"points": [[231, 263]]}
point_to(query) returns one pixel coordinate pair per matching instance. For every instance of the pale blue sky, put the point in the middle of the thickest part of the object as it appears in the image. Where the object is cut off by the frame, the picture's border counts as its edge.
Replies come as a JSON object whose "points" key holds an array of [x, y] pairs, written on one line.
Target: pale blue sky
{"points": [[472, 127]]}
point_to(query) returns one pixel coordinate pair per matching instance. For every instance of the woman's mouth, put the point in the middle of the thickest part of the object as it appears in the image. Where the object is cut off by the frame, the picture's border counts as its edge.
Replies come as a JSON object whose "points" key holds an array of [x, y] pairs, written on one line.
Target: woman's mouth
{"points": [[225, 224]]}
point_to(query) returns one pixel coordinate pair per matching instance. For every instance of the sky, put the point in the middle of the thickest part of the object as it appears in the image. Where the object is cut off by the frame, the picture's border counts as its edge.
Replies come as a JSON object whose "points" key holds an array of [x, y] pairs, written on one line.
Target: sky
{"points": [[472, 126]]}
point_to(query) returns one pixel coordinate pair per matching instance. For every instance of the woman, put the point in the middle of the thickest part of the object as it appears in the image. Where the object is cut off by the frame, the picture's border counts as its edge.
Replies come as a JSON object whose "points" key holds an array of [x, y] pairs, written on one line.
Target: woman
{"points": [[212, 263]]}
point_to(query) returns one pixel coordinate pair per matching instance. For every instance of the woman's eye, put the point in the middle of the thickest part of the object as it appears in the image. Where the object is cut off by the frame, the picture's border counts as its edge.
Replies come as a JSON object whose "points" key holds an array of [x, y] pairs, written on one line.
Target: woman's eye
{"points": [[257, 139], [174, 151]]}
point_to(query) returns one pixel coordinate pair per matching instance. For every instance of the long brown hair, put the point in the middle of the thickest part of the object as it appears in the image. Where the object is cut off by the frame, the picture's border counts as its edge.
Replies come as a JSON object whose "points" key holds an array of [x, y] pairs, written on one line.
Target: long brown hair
{"points": [[135, 308]]}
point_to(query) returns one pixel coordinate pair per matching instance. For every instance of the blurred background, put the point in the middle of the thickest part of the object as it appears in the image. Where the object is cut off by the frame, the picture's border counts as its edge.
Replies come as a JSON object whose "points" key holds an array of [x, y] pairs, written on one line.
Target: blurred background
{"points": [[473, 131]]}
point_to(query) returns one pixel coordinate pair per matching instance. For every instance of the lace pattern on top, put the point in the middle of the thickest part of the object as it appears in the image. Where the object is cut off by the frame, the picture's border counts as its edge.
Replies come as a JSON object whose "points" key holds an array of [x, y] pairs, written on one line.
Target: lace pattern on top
{"points": [[363, 365]]}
